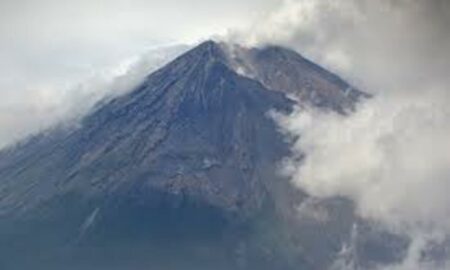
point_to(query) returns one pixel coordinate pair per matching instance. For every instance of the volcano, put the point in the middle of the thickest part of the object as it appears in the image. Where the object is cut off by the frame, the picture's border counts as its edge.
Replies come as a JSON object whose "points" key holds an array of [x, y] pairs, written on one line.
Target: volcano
{"points": [[179, 173]]}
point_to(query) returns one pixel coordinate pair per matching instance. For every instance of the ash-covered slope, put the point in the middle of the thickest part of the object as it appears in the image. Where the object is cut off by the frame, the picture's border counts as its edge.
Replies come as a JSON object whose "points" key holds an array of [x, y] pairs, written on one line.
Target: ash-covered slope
{"points": [[180, 172]]}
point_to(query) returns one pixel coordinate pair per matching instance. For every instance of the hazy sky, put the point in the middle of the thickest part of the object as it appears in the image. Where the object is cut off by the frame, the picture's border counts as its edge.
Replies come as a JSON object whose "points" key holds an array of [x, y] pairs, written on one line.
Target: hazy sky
{"points": [[80, 34], [65, 38]]}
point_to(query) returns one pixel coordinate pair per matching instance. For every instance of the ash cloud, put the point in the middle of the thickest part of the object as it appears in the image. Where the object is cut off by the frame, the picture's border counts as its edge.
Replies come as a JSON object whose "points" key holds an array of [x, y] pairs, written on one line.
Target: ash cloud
{"points": [[392, 155]]}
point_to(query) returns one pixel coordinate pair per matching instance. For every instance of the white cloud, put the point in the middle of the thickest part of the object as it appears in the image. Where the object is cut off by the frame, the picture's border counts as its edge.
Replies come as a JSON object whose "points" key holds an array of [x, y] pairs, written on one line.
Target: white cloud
{"points": [[392, 156]]}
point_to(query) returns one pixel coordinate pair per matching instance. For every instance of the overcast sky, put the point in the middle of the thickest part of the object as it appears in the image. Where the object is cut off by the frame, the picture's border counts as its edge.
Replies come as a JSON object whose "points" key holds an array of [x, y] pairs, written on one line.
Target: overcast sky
{"points": [[65, 38], [99, 28]]}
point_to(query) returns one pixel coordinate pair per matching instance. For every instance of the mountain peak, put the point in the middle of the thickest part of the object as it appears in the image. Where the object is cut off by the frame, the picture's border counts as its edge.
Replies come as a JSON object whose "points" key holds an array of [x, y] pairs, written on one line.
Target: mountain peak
{"points": [[189, 154], [275, 67], [207, 50], [210, 45]]}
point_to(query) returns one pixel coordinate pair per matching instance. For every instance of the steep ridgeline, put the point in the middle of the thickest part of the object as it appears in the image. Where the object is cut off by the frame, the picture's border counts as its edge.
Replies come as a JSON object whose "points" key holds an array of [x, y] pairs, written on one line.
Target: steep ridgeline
{"points": [[180, 173]]}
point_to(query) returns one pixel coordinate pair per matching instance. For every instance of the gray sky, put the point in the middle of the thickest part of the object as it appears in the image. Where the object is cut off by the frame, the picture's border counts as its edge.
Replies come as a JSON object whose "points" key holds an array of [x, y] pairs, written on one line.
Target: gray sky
{"points": [[64, 38]]}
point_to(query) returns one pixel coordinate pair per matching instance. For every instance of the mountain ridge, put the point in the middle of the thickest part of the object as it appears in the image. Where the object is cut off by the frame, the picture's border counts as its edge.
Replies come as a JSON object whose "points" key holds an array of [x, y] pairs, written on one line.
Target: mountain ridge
{"points": [[195, 70], [188, 102], [187, 162]]}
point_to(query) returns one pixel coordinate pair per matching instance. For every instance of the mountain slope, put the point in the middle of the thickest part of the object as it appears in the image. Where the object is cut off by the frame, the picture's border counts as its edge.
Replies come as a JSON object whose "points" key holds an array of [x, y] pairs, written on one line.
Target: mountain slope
{"points": [[195, 119], [184, 166], [194, 115]]}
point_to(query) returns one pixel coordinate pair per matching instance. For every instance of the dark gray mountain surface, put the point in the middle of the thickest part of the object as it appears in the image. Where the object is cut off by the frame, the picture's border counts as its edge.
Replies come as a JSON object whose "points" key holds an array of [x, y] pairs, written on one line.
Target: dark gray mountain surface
{"points": [[180, 173]]}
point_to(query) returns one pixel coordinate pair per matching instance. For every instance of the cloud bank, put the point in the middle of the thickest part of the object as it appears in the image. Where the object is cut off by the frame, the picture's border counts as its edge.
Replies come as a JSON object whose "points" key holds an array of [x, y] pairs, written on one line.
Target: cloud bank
{"points": [[391, 156]]}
